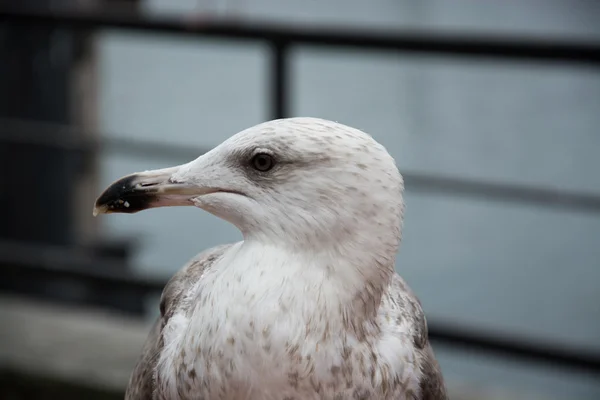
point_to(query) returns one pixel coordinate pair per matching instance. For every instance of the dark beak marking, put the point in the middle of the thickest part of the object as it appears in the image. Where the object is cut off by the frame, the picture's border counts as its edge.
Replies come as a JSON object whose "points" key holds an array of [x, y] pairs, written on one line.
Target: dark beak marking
{"points": [[125, 196]]}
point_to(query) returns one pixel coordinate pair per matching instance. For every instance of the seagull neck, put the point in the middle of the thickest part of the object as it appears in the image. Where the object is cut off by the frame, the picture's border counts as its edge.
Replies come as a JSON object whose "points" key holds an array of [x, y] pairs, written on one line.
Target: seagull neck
{"points": [[352, 284]]}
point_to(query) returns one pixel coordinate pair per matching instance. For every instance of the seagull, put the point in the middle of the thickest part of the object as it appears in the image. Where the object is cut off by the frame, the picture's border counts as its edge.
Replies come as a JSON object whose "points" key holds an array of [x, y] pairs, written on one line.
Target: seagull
{"points": [[308, 305]]}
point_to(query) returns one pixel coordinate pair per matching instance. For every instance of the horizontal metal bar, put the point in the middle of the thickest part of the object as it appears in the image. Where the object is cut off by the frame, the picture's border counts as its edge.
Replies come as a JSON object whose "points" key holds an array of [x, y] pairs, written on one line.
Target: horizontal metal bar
{"points": [[515, 346], [46, 263], [35, 133], [502, 192], [71, 139], [441, 43]]}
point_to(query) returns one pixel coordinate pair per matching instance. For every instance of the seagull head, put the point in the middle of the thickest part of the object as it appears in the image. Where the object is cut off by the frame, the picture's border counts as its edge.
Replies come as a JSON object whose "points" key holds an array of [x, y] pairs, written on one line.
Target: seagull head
{"points": [[295, 181]]}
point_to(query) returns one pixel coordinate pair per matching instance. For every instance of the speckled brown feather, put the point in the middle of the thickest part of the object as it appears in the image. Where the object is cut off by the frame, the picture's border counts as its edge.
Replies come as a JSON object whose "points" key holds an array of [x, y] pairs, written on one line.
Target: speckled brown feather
{"points": [[432, 382], [142, 383], [399, 299], [406, 304]]}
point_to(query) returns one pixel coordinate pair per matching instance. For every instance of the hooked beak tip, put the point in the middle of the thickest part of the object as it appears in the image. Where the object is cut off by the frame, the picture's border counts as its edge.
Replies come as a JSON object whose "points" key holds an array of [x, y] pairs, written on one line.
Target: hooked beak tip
{"points": [[99, 209]]}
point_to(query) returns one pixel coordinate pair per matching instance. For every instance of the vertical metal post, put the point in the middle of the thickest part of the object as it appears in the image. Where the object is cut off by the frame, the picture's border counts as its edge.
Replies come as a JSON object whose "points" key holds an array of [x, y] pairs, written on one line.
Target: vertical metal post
{"points": [[279, 82], [34, 81]]}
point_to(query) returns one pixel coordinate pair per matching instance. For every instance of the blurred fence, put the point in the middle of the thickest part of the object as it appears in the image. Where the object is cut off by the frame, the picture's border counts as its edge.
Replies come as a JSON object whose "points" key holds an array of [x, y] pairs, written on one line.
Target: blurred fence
{"points": [[50, 264]]}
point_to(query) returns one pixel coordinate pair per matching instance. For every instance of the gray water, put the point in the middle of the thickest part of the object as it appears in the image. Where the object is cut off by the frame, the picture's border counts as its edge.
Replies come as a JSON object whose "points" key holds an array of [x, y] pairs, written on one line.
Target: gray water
{"points": [[505, 267]]}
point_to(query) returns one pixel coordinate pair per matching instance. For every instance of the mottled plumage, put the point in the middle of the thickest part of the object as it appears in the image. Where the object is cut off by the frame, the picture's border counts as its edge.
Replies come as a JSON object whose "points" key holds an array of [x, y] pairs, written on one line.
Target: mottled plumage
{"points": [[308, 305]]}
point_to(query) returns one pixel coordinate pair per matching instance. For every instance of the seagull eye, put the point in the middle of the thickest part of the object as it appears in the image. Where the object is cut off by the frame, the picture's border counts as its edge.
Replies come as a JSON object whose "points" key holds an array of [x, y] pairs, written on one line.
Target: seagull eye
{"points": [[262, 162]]}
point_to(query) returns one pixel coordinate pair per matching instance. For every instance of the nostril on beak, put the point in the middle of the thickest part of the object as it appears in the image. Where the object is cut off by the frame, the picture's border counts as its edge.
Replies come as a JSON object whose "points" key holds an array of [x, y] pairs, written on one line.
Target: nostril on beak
{"points": [[147, 184]]}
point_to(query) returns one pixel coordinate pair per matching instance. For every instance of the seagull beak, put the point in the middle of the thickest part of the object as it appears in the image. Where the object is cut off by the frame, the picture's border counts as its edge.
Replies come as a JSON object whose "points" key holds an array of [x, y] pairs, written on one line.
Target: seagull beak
{"points": [[144, 190]]}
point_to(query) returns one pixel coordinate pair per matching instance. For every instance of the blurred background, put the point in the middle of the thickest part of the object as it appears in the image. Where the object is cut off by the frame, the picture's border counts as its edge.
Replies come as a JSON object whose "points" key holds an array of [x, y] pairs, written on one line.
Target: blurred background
{"points": [[491, 109]]}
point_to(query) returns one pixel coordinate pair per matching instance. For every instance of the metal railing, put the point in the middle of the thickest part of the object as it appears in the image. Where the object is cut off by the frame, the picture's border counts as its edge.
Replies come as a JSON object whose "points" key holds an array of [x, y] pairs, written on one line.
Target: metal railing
{"points": [[49, 264]]}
